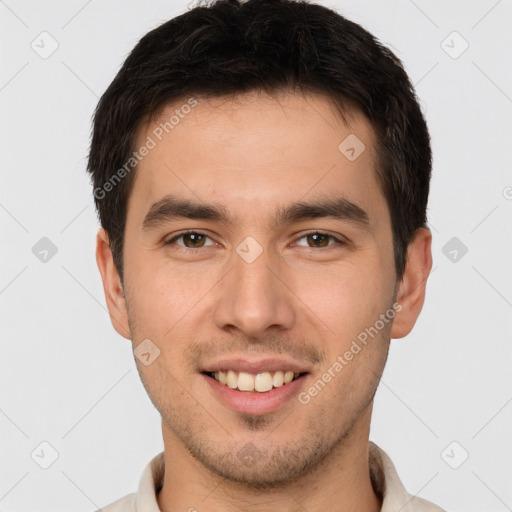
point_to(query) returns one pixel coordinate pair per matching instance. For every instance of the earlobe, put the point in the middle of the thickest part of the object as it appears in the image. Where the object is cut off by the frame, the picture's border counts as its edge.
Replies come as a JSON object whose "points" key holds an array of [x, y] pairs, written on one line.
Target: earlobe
{"points": [[412, 287], [112, 287]]}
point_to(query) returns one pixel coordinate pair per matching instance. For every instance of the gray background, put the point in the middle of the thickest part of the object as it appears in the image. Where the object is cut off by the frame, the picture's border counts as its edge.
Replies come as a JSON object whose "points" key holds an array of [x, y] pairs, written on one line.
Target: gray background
{"points": [[69, 380]]}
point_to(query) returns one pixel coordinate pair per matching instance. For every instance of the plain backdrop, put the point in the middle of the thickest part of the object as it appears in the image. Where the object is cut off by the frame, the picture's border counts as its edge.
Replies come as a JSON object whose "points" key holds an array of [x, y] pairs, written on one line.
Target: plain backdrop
{"points": [[443, 410]]}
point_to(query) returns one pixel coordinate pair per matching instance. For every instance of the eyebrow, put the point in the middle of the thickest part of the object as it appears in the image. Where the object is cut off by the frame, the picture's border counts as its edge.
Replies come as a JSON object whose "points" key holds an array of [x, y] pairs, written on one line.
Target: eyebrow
{"points": [[171, 208]]}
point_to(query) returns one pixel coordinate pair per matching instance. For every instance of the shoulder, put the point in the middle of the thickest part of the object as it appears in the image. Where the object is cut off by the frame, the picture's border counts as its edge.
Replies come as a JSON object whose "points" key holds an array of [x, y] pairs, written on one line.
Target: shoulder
{"points": [[388, 486], [418, 504], [126, 504]]}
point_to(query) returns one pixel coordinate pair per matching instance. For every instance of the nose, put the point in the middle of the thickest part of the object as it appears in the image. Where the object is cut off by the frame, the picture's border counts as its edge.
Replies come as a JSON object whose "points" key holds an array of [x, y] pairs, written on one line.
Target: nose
{"points": [[254, 297]]}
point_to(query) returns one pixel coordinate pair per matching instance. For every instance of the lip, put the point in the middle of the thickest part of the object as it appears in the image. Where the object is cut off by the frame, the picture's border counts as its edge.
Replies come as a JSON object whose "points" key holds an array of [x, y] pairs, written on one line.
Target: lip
{"points": [[255, 366], [254, 402]]}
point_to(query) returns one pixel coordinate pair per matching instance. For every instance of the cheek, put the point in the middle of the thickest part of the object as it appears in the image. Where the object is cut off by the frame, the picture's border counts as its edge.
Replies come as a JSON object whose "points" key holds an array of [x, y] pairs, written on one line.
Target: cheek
{"points": [[346, 297], [162, 294]]}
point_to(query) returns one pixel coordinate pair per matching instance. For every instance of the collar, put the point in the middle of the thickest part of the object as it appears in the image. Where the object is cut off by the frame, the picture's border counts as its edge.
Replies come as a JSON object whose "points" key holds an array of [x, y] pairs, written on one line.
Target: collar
{"points": [[384, 478]]}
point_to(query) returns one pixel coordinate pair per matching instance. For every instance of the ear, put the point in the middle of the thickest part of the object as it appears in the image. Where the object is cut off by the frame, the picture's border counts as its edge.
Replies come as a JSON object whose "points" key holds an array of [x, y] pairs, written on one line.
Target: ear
{"points": [[112, 287], [411, 290]]}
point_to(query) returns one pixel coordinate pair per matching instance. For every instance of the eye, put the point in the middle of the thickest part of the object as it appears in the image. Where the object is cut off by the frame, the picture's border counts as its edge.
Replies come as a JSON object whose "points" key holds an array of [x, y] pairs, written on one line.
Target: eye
{"points": [[191, 240], [197, 240], [320, 239]]}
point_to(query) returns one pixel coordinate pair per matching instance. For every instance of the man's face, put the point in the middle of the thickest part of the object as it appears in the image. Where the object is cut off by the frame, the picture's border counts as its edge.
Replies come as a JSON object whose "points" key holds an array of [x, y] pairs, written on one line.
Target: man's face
{"points": [[261, 287]]}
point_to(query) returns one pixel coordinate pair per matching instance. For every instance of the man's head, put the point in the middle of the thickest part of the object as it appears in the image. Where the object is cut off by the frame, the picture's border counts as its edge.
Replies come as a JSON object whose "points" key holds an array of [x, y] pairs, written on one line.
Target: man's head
{"points": [[275, 210], [266, 45]]}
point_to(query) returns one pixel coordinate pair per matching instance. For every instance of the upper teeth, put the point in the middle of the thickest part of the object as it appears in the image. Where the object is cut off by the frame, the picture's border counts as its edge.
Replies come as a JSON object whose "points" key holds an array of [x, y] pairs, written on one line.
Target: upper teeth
{"points": [[248, 382]]}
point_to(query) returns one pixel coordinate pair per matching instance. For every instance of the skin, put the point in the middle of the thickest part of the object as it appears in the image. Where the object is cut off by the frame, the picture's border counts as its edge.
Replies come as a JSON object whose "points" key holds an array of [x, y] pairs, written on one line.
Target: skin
{"points": [[302, 297]]}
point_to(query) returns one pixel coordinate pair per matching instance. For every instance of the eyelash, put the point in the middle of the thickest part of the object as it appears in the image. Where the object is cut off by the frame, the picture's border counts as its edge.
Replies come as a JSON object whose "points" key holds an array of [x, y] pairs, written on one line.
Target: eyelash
{"points": [[180, 235]]}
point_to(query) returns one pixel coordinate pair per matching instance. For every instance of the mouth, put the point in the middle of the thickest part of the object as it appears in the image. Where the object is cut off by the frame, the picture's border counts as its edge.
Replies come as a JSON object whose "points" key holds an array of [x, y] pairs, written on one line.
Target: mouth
{"points": [[254, 393], [261, 382]]}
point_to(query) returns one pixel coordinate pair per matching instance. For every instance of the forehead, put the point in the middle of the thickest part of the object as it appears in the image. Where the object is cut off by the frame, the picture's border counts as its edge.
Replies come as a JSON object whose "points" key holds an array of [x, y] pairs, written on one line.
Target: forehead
{"points": [[254, 151]]}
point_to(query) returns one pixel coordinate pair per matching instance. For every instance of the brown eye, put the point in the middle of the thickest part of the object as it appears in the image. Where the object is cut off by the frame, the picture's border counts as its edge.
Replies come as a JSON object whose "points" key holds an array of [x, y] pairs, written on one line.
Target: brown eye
{"points": [[319, 240], [191, 240]]}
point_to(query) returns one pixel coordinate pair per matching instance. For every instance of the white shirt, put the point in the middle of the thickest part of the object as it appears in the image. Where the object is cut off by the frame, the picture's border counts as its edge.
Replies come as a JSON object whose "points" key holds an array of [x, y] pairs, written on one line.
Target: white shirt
{"points": [[384, 479]]}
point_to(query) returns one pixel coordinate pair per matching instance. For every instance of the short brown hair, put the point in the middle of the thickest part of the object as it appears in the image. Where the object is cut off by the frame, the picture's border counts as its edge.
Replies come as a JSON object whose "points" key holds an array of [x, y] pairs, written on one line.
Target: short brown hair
{"points": [[230, 47]]}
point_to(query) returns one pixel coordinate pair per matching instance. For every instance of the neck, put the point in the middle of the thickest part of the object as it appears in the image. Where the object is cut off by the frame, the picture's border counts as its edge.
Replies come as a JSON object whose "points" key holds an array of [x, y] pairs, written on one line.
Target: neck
{"points": [[340, 484]]}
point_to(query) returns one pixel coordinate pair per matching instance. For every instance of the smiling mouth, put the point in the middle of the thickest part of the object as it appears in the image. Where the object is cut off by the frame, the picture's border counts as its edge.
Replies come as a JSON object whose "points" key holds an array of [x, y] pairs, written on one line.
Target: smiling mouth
{"points": [[248, 382]]}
